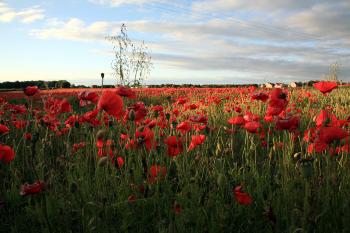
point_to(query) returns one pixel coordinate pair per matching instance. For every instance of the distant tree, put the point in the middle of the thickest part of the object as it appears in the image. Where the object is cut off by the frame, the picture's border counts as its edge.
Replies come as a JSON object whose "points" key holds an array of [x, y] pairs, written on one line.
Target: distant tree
{"points": [[333, 72], [132, 63]]}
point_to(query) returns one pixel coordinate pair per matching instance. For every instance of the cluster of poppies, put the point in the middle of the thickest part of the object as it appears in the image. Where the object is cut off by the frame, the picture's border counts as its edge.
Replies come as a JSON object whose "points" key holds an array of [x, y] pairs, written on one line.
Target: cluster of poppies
{"points": [[185, 117]]}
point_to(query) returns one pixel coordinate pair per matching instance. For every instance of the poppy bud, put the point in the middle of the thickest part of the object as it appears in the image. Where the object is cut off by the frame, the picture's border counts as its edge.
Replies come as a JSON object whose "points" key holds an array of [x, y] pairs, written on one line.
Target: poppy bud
{"points": [[221, 180], [131, 115], [101, 134], [167, 116], [297, 156], [102, 161]]}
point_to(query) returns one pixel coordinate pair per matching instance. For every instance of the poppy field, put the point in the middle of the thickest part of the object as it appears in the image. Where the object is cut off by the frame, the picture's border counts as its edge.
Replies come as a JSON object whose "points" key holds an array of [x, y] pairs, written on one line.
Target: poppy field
{"points": [[242, 159]]}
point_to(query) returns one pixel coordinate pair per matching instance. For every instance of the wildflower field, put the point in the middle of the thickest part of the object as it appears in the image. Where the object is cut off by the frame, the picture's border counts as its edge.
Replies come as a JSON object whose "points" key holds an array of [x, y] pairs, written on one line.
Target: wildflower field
{"points": [[175, 160]]}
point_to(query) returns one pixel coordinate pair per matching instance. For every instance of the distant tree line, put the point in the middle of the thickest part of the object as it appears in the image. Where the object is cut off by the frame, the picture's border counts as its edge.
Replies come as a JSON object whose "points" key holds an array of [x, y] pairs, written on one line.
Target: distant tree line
{"points": [[41, 84], [65, 84], [201, 86]]}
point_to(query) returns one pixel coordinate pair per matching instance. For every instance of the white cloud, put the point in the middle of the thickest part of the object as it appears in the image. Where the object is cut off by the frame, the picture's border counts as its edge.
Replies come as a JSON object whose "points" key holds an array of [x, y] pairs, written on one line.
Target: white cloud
{"points": [[266, 6], [117, 3], [74, 29], [26, 16]]}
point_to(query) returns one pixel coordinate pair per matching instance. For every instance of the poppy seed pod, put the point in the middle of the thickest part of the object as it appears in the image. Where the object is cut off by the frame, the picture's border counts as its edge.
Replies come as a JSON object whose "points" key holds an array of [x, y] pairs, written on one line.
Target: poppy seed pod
{"points": [[101, 134]]}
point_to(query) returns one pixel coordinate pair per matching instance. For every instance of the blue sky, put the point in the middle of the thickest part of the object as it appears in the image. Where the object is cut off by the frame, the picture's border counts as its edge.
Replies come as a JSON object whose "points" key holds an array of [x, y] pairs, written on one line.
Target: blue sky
{"points": [[206, 41]]}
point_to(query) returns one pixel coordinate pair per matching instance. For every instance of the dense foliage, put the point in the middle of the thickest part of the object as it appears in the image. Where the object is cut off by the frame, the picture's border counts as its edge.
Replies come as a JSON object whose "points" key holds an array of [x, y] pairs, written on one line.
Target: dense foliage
{"points": [[39, 83]]}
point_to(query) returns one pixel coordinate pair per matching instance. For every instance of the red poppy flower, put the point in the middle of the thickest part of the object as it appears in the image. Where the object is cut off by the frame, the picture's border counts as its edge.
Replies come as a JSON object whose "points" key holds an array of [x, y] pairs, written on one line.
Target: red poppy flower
{"points": [[4, 129], [18, 109], [237, 120], [241, 197], [132, 198], [288, 123], [191, 106], [136, 112], [259, 96], [175, 145], [27, 136], [238, 109], [268, 118], [309, 135], [20, 124], [278, 102], [7, 154], [105, 148], [199, 127], [157, 108], [196, 140], [199, 119], [176, 111], [77, 146], [31, 90], [156, 173], [326, 119], [151, 123], [253, 126], [126, 92], [111, 103], [177, 208], [157, 170], [330, 134], [55, 106], [184, 127], [131, 144], [30, 189], [145, 137], [317, 147], [248, 116], [64, 106], [278, 94], [87, 97], [325, 87], [181, 100], [90, 117], [120, 161]]}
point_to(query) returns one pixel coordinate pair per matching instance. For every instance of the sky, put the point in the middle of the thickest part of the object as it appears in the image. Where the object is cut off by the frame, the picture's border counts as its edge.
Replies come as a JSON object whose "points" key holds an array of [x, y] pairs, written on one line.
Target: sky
{"points": [[198, 42]]}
